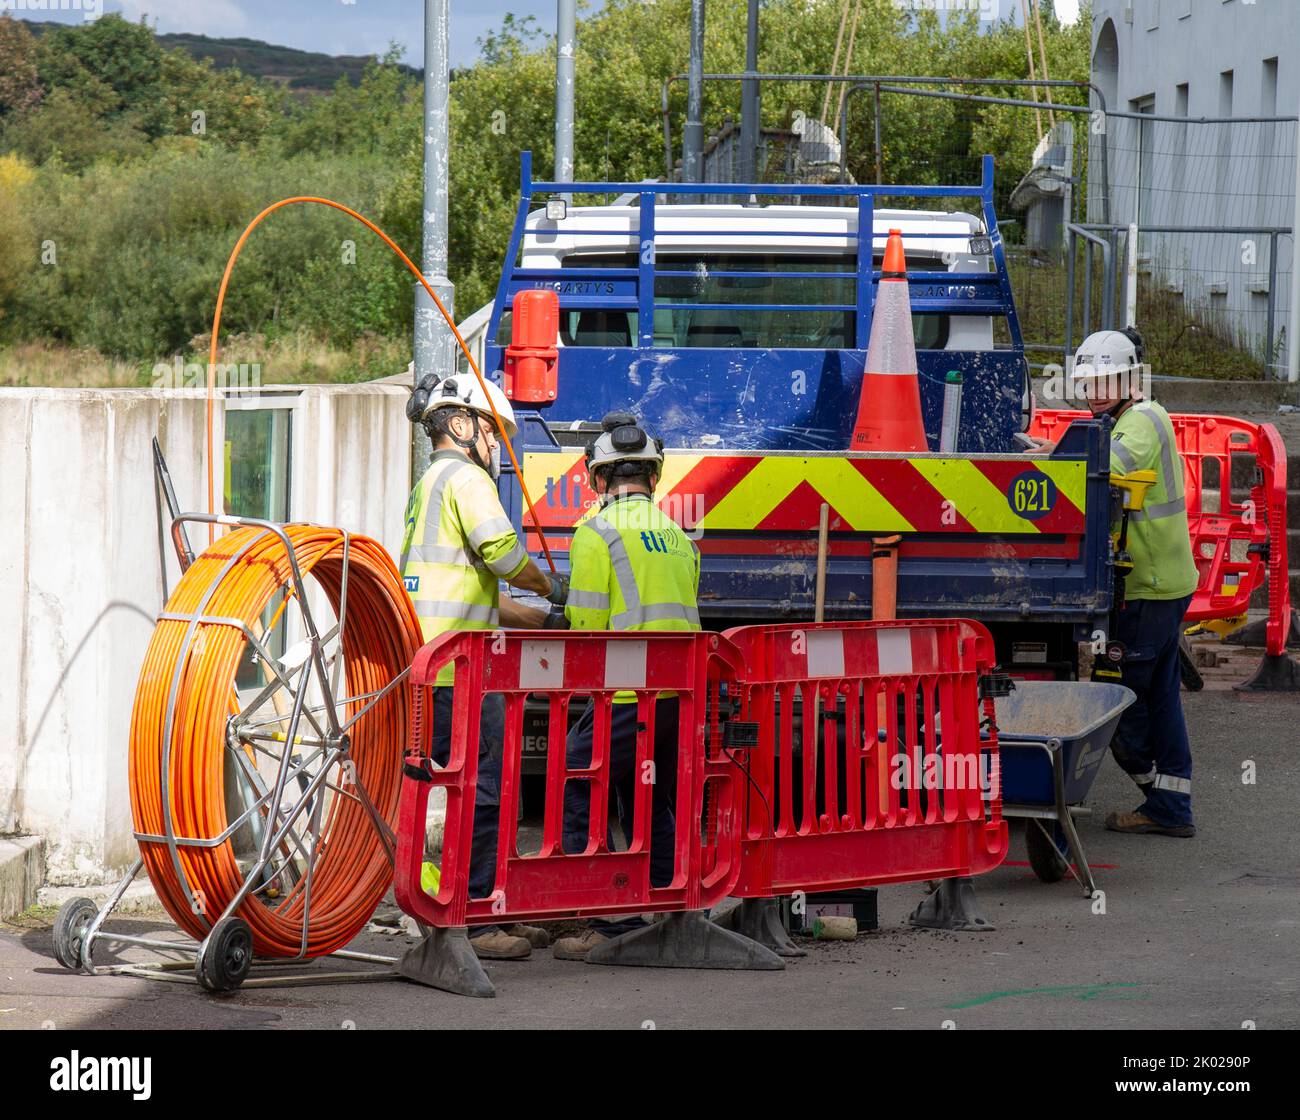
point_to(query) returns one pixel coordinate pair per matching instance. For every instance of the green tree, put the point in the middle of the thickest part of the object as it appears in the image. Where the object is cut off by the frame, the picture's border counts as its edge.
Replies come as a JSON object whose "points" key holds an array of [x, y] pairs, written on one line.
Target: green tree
{"points": [[363, 118], [108, 53], [20, 84]]}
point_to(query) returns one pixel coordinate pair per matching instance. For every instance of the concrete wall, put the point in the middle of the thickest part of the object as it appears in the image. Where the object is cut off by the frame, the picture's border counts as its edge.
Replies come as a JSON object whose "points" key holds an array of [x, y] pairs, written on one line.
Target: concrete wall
{"points": [[79, 564]]}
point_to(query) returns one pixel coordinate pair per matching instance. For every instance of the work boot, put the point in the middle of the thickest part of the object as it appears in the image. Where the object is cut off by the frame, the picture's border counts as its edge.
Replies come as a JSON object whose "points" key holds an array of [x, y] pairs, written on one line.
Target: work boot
{"points": [[537, 937], [577, 946], [500, 946], [1138, 824]]}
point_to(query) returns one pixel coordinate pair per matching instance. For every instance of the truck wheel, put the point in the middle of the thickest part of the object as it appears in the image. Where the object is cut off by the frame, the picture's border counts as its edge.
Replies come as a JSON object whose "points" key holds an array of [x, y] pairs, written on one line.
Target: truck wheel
{"points": [[1044, 855]]}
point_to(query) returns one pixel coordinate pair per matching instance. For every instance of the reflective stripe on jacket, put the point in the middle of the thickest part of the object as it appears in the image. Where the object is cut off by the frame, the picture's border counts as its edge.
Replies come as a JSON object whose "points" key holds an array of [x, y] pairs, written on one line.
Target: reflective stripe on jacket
{"points": [[1158, 538], [631, 567], [458, 544]]}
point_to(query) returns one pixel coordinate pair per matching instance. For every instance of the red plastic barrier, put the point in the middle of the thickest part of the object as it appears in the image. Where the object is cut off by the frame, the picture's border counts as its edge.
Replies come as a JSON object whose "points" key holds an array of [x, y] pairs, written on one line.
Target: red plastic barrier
{"points": [[1234, 543], [1279, 565], [564, 668], [891, 782]]}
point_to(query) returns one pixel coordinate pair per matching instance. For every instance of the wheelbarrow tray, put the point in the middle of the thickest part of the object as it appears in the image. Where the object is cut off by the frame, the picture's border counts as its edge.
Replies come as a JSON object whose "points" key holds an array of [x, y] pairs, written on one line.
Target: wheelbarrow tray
{"points": [[1076, 718]]}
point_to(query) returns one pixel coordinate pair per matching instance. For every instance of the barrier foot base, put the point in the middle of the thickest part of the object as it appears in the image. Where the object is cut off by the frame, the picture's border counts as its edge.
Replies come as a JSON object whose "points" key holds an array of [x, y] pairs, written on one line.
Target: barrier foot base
{"points": [[445, 960], [759, 919], [1277, 672], [685, 940], [951, 905]]}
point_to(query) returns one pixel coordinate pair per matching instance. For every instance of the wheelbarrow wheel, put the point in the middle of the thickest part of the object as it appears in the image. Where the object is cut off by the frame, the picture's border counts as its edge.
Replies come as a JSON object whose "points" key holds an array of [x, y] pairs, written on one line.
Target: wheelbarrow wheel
{"points": [[1045, 856]]}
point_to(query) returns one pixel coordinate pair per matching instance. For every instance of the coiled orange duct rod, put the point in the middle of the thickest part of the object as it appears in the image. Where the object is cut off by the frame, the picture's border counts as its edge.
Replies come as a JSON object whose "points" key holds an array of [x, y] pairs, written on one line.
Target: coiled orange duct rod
{"points": [[196, 681], [473, 365]]}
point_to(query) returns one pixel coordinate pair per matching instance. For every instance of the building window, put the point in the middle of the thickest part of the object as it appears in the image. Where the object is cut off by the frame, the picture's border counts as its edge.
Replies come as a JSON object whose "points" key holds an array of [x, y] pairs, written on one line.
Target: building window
{"points": [[1268, 89], [1146, 148], [1153, 15], [257, 456], [257, 462], [1184, 9], [1178, 136], [1224, 161]]}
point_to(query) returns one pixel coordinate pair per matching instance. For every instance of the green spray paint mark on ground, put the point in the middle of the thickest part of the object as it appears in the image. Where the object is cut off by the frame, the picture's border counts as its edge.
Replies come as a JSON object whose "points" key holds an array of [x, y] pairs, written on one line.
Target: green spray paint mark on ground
{"points": [[1117, 990]]}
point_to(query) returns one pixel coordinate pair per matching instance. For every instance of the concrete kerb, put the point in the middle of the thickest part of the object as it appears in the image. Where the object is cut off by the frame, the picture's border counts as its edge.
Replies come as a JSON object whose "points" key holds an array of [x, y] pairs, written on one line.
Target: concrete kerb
{"points": [[22, 871], [1219, 398], [139, 898]]}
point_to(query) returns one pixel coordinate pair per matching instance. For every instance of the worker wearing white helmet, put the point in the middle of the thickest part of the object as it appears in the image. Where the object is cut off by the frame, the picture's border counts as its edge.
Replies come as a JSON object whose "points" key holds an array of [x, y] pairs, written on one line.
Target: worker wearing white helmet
{"points": [[1151, 741], [631, 568], [459, 544]]}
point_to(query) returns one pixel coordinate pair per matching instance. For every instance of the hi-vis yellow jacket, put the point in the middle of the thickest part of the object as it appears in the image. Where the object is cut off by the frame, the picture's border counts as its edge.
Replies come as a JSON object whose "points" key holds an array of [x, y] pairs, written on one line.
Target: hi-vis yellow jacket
{"points": [[631, 567], [458, 544], [1158, 538]]}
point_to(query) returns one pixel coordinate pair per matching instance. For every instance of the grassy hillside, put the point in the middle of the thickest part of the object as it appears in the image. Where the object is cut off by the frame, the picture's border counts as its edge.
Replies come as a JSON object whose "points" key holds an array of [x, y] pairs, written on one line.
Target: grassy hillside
{"points": [[306, 71]]}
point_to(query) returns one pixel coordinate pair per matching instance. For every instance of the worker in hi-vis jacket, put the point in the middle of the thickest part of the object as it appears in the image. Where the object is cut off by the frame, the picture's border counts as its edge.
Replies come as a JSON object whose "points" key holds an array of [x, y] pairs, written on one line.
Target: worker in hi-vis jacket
{"points": [[1151, 741]]}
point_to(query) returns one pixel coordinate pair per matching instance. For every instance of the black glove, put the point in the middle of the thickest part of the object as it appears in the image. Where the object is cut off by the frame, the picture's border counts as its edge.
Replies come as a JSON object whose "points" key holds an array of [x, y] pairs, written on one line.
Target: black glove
{"points": [[559, 592], [556, 620]]}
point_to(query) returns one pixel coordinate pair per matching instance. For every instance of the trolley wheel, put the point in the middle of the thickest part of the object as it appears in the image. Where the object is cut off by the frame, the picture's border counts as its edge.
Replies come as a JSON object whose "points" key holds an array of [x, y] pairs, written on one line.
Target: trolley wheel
{"points": [[226, 956], [75, 917], [1045, 853]]}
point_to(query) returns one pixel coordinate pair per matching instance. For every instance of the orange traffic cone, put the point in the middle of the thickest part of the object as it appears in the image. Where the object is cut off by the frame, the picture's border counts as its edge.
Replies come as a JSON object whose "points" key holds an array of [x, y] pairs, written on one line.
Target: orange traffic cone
{"points": [[889, 407]]}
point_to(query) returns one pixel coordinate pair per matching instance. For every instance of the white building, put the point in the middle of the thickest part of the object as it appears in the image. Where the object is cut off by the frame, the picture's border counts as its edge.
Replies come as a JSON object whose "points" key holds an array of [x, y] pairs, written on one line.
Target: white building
{"points": [[1183, 60]]}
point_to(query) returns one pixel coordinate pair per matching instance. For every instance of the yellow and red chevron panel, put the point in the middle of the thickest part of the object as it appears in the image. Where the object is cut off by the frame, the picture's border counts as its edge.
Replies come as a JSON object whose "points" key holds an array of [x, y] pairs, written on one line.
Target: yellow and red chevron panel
{"points": [[728, 493]]}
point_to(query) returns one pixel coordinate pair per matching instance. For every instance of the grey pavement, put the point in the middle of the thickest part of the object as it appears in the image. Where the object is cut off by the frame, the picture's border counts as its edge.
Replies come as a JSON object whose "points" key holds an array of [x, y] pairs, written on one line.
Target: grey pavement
{"points": [[1201, 933]]}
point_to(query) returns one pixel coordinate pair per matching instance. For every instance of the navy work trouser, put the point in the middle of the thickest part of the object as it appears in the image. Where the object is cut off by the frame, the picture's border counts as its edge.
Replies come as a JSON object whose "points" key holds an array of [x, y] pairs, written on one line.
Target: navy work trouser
{"points": [[1151, 741], [487, 796], [623, 787]]}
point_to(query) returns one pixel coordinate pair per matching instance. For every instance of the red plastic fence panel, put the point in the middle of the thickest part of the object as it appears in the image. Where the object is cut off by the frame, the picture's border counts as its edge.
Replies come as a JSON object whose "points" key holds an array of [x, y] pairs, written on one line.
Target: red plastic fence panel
{"points": [[1234, 543], [889, 780], [1273, 465], [567, 669]]}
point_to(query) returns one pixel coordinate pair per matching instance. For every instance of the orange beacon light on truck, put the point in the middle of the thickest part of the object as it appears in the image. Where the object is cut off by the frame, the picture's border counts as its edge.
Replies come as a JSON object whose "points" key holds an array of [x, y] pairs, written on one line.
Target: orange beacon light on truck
{"points": [[532, 356]]}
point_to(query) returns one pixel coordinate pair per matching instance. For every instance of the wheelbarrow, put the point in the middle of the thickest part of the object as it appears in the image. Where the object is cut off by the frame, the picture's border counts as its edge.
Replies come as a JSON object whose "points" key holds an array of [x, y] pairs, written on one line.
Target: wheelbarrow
{"points": [[1052, 737]]}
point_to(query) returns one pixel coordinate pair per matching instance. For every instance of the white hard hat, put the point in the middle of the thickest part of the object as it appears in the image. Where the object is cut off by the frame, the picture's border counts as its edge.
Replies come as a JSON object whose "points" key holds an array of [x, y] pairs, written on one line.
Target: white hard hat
{"points": [[1108, 364], [461, 390], [623, 440], [1105, 352]]}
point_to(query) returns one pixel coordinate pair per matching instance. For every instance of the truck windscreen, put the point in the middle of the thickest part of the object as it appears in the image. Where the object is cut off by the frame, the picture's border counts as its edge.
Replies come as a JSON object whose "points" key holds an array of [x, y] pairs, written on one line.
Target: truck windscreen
{"points": [[711, 278]]}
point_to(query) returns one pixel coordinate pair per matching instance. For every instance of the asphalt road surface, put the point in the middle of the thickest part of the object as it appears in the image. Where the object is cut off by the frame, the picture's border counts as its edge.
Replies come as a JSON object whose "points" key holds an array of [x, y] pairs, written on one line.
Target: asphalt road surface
{"points": [[1200, 933]]}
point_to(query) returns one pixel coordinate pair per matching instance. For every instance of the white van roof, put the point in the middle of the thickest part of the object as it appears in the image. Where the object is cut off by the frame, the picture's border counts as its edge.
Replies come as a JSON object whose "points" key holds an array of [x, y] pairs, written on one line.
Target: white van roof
{"points": [[731, 228]]}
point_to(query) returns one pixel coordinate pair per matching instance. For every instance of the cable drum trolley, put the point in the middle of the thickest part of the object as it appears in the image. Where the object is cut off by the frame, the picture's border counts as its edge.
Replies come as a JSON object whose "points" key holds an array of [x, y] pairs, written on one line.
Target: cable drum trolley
{"points": [[293, 791]]}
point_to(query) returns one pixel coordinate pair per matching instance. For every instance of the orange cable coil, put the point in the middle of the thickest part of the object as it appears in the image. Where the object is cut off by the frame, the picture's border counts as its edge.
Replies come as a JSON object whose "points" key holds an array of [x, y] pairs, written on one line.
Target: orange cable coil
{"points": [[380, 638]]}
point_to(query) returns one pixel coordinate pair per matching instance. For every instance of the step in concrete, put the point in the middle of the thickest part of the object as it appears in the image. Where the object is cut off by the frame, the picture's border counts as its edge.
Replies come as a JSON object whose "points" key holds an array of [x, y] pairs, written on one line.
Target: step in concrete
{"points": [[1260, 598], [139, 898], [22, 871], [1224, 398], [1243, 471]]}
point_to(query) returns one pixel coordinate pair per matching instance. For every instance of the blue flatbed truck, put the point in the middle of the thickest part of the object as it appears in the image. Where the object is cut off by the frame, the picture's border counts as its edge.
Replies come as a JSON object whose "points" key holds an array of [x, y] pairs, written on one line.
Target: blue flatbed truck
{"points": [[738, 333]]}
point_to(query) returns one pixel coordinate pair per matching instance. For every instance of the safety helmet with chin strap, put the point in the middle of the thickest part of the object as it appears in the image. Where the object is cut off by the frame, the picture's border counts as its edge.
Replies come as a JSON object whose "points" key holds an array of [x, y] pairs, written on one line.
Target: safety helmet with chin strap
{"points": [[623, 442], [461, 392], [436, 400]]}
